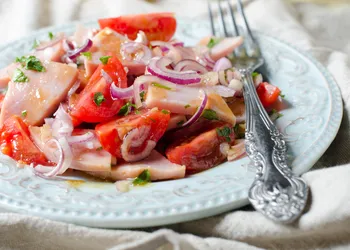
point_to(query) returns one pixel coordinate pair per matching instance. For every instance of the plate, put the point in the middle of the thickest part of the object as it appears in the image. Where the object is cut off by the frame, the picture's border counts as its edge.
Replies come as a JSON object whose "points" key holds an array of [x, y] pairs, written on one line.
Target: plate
{"points": [[309, 123]]}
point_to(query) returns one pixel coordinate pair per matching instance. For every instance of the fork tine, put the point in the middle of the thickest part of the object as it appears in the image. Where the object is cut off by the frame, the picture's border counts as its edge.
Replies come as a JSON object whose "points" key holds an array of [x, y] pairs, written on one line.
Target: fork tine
{"points": [[233, 18], [211, 19], [222, 18], [247, 27]]}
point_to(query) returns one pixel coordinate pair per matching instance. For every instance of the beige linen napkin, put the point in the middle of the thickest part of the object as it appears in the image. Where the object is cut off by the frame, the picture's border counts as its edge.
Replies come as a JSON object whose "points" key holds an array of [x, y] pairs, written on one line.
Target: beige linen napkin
{"points": [[326, 222]]}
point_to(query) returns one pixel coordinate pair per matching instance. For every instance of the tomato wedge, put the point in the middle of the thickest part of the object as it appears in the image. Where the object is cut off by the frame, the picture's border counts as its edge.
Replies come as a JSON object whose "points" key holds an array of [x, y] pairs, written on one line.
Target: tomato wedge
{"points": [[16, 143], [268, 93], [94, 104], [157, 26], [198, 146], [148, 125]]}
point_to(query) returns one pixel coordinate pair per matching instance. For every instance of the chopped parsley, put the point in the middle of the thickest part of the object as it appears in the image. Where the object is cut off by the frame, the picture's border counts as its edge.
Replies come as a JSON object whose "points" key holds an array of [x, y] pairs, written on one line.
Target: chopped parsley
{"points": [[87, 55], [142, 96], [151, 119], [239, 130], [125, 110], [24, 113], [51, 36], [224, 132], [35, 44], [158, 85], [164, 111], [282, 95], [104, 59], [31, 63], [99, 148], [254, 74], [137, 112], [143, 178], [180, 123], [274, 114], [99, 98], [213, 42], [19, 76], [187, 106], [210, 114]]}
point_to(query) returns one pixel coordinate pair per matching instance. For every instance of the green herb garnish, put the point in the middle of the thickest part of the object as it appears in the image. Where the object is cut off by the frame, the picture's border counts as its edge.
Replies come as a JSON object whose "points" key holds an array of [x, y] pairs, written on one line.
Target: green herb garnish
{"points": [[142, 96], [224, 132], [19, 76], [51, 36], [180, 123], [213, 42], [158, 85], [143, 178], [254, 74], [275, 114], [98, 98], [35, 44], [164, 111], [210, 114], [87, 55], [124, 110], [99, 148], [31, 63], [187, 106], [104, 59], [239, 130], [282, 96], [24, 113]]}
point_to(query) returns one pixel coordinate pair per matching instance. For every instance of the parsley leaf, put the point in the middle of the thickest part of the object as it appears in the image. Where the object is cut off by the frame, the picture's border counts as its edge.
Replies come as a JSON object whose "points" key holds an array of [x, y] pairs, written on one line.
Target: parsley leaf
{"points": [[142, 96], [19, 76], [187, 106], [164, 111], [104, 59], [51, 36], [124, 110], [99, 148], [161, 86], [254, 74], [35, 44], [87, 55], [24, 113], [274, 114], [98, 98], [224, 132], [239, 130], [31, 63], [143, 178], [282, 96], [210, 114], [213, 42]]}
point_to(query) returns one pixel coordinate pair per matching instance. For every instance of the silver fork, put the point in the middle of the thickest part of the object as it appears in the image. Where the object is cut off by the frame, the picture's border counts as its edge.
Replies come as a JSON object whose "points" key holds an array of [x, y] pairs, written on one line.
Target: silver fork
{"points": [[276, 192]]}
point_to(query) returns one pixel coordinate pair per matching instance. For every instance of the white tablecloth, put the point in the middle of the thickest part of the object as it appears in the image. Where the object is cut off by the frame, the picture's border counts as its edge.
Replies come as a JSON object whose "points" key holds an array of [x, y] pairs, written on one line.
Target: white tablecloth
{"points": [[326, 223]]}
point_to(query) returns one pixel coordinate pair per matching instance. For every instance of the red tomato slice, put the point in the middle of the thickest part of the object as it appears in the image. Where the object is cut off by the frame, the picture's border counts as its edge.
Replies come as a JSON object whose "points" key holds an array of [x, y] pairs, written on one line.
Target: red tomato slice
{"points": [[84, 107], [113, 133], [268, 93], [157, 26], [16, 143], [2, 96], [198, 146]]}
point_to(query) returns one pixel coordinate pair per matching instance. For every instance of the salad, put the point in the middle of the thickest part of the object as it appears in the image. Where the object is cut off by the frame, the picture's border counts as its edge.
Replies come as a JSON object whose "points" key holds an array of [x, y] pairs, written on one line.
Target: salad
{"points": [[126, 101]]}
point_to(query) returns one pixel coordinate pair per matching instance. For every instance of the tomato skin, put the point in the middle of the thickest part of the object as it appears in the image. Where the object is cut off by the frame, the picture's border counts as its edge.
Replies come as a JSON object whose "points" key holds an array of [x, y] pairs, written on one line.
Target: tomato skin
{"points": [[268, 93], [84, 109], [198, 146], [16, 143], [2, 96], [111, 134], [157, 26]]}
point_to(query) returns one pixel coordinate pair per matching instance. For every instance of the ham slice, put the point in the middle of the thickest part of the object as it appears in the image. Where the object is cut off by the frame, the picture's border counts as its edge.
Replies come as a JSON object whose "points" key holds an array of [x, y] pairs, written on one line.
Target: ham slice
{"points": [[41, 95], [6, 74], [53, 53], [225, 47], [84, 159], [159, 166]]}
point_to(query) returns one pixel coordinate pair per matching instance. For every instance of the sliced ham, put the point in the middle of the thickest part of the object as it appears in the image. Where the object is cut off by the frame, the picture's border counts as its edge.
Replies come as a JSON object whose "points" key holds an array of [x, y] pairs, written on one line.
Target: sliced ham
{"points": [[41, 95], [6, 74], [160, 169], [225, 47], [53, 53], [85, 159], [184, 99], [176, 121]]}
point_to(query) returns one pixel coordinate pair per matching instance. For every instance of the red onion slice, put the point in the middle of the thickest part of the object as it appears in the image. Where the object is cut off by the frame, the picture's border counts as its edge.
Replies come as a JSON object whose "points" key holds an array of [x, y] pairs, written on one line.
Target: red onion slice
{"points": [[80, 138], [140, 83], [172, 52], [43, 171], [223, 91], [222, 64], [75, 53], [199, 111], [236, 151], [210, 63], [189, 64], [158, 67], [67, 45], [74, 88], [142, 53], [116, 92], [62, 124], [50, 43]]}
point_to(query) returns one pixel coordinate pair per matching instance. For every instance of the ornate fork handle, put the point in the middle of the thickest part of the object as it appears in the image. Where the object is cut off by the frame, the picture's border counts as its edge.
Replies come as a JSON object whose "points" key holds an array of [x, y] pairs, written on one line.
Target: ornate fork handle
{"points": [[276, 191]]}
